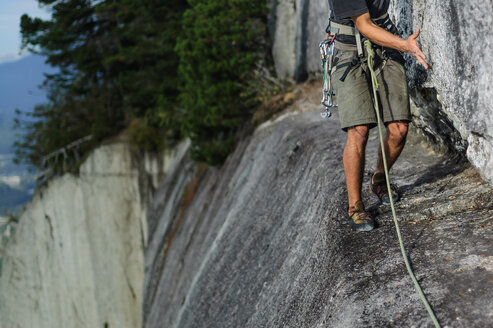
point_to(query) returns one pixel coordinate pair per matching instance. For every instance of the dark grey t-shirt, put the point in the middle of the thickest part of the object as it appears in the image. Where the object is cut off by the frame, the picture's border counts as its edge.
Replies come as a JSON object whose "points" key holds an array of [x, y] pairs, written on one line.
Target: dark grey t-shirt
{"points": [[343, 10]]}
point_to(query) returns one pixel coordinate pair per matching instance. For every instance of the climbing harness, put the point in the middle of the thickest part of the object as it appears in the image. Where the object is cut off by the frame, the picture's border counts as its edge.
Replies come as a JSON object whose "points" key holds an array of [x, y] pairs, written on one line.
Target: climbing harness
{"points": [[327, 53], [353, 36], [374, 87]]}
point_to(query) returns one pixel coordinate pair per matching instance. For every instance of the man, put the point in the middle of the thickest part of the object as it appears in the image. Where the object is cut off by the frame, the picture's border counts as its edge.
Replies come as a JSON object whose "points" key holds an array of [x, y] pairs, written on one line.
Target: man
{"points": [[356, 111]]}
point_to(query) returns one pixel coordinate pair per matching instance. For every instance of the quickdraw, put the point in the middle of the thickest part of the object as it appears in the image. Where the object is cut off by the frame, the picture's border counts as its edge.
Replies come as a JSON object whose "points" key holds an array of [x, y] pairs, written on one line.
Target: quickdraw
{"points": [[327, 52]]}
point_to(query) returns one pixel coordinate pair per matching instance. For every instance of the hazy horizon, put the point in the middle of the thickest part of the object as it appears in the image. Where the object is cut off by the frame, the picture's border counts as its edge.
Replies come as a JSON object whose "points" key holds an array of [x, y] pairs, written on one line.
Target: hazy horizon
{"points": [[10, 37]]}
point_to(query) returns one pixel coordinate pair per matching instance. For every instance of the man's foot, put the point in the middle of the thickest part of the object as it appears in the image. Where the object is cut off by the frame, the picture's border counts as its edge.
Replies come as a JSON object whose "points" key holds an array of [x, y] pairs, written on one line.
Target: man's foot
{"points": [[378, 186], [359, 219]]}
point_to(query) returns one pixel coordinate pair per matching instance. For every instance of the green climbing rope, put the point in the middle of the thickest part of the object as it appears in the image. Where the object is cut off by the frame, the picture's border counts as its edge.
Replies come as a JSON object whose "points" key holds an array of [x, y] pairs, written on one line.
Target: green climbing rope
{"points": [[374, 81]]}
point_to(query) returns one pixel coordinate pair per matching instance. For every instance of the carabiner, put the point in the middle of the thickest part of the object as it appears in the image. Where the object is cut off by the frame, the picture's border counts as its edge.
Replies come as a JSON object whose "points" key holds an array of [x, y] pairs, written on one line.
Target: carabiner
{"points": [[326, 52]]}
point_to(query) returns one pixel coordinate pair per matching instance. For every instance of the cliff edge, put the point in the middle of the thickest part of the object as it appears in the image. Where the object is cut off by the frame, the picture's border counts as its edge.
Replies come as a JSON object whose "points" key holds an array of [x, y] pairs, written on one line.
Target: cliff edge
{"points": [[76, 256]]}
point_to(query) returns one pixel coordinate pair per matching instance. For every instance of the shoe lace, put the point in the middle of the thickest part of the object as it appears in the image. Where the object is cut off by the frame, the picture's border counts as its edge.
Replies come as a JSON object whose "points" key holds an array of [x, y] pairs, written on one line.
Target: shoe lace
{"points": [[357, 215]]}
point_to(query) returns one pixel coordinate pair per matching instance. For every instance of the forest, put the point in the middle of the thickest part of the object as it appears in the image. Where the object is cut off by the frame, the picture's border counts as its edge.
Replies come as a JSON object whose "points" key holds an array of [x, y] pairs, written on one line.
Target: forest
{"points": [[157, 71]]}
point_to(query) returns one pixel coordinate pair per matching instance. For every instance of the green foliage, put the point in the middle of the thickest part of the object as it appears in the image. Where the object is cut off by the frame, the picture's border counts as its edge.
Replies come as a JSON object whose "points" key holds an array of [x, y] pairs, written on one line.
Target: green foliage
{"points": [[66, 118], [146, 135], [160, 70], [117, 62], [223, 41]]}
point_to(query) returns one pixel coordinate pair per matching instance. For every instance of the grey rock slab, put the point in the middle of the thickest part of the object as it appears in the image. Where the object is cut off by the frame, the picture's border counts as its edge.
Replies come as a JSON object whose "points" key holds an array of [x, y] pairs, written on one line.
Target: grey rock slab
{"points": [[76, 256], [283, 36], [266, 242], [296, 27], [456, 37]]}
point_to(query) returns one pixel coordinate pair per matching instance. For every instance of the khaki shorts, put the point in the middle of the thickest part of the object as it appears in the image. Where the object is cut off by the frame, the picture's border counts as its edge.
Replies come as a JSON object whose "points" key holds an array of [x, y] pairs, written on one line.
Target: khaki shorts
{"points": [[355, 99]]}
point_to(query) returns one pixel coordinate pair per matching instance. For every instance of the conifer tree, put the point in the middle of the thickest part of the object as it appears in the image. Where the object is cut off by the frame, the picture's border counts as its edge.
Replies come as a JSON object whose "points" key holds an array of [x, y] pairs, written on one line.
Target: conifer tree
{"points": [[161, 69], [116, 63], [223, 41]]}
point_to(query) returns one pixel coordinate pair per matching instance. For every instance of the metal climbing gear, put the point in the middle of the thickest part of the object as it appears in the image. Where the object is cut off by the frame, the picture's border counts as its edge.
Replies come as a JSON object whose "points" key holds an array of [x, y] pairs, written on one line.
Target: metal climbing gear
{"points": [[327, 52], [358, 43], [374, 87]]}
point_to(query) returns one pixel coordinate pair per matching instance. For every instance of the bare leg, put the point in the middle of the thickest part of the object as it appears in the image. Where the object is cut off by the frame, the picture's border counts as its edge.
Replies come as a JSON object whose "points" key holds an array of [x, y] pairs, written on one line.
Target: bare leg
{"points": [[394, 142], [354, 161]]}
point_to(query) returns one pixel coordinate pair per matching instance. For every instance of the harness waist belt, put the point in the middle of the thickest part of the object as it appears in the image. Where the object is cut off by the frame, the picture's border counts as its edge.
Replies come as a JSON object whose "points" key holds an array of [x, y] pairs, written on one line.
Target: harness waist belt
{"points": [[336, 28]]}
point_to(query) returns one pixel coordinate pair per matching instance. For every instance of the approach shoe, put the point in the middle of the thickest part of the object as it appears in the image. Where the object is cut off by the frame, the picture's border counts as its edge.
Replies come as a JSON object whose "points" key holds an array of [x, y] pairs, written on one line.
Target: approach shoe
{"points": [[359, 219], [378, 186]]}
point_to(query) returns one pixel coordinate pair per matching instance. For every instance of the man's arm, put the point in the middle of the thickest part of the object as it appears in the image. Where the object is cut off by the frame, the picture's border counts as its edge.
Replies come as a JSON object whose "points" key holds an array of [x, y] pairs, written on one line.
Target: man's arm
{"points": [[381, 37]]}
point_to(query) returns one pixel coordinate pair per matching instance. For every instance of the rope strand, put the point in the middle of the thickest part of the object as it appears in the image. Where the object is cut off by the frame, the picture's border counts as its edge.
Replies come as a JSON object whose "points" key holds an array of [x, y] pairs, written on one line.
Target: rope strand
{"points": [[373, 77]]}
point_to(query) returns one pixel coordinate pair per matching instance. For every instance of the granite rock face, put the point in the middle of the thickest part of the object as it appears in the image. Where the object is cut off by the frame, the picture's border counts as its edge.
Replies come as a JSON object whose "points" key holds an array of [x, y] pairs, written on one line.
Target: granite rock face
{"points": [[264, 240], [76, 256], [456, 38], [455, 35], [296, 27]]}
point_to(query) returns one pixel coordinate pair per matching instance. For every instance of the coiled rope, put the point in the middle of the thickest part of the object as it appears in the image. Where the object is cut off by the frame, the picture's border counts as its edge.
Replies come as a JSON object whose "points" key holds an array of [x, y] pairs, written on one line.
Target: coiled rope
{"points": [[374, 82]]}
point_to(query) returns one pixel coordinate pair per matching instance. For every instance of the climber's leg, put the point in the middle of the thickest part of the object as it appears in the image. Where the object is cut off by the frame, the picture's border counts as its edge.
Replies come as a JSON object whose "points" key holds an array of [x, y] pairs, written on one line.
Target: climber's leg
{"points": [[354, 161], [394, 142], [354, 165], [394, 105]]}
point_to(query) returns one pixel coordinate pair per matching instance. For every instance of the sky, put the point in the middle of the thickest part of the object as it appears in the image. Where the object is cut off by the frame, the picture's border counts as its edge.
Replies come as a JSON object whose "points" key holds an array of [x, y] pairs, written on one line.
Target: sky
{"points": [[10, 37]]}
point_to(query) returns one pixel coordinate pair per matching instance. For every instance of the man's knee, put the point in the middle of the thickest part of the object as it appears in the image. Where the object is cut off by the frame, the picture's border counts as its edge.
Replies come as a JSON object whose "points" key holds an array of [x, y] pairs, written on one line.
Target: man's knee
{"points": [[397, 131], [358, 134]]}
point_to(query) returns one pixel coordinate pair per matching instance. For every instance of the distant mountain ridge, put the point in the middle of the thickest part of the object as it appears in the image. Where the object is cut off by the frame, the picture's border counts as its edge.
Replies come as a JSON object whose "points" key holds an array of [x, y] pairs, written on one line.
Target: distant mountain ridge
{"points": [[19, 83], [19, 89]]}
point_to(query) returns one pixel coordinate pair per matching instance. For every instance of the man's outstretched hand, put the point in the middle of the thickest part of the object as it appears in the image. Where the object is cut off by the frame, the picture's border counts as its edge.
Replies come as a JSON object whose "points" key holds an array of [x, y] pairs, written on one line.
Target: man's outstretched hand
{"points": [[412, 48], [386, 39]]}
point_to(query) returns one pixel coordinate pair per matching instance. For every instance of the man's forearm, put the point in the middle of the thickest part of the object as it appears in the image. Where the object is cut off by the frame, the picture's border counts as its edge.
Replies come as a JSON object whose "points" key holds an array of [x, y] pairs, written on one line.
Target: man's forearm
{"points": [[381, 37]]}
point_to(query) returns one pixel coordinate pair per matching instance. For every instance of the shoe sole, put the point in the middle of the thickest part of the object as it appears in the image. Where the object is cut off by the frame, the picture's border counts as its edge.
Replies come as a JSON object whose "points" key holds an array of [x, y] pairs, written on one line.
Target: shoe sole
{"points": [[397, 198], [362, 227], [365, 229]]}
